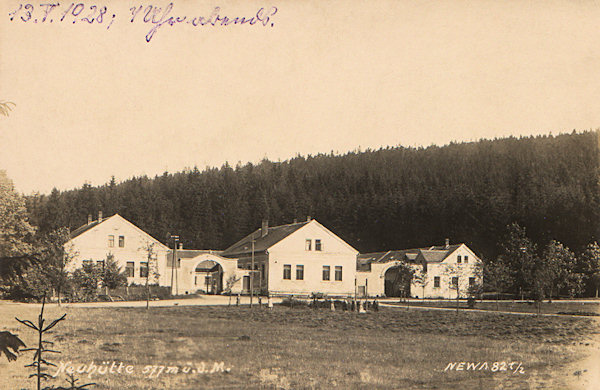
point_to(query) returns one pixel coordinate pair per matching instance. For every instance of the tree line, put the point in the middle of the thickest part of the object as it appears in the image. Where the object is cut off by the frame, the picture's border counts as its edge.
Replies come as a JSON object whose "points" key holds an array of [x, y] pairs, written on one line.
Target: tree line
{"points": [[525, 269], [376, 200]]}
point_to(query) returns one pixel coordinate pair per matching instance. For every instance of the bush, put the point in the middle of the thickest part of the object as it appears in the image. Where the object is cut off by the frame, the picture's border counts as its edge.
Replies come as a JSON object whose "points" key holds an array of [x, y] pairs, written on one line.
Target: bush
{"points": [[293, 302], [471, 302], [85, 282], [138, 292], [316, 303]]}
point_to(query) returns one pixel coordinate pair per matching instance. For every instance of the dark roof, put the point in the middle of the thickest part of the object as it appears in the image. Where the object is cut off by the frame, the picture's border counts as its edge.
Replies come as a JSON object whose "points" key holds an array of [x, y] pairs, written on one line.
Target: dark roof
{"points": [[261, 244], [82, 229], [432, 254], [449, 248], [363, 264]]}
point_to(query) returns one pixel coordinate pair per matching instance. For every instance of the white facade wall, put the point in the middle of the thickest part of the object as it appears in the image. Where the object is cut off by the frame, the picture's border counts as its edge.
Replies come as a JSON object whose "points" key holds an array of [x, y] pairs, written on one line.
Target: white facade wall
{"points": [[94, 245], [292, 251], [369, 282], [186, 274]]}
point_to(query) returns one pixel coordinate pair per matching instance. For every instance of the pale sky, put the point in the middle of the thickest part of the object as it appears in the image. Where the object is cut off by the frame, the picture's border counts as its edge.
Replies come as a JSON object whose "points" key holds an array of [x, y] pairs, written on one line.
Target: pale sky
{"points": [[92, 102]]}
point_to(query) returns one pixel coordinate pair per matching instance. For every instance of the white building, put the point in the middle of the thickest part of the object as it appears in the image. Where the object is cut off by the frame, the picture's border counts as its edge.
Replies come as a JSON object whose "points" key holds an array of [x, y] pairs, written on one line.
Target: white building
{"points": [[299, 258], [197, 270], [118, 237], [441, 268]]}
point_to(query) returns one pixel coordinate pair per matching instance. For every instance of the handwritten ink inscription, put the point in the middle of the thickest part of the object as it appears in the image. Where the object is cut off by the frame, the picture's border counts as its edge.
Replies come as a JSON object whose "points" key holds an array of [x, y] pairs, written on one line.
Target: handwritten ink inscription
{"points": [[155, 16], [73, 13]]}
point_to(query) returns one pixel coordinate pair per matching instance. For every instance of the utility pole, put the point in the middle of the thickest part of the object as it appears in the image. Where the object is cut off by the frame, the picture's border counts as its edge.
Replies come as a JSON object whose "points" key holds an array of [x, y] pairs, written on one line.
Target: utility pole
{"points": [[355, 287], [174, 259], [176, 275], [252, 275]]}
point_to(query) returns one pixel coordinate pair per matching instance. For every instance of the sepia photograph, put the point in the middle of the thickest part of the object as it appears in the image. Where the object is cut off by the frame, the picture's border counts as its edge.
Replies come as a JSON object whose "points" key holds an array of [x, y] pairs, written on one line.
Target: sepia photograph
{"points": [[388, 194]]}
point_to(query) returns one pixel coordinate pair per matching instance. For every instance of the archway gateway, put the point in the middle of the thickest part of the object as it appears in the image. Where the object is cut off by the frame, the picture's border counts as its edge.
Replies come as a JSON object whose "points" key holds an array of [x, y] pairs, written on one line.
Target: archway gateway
{"points": [[397, 281], [208, 277]]}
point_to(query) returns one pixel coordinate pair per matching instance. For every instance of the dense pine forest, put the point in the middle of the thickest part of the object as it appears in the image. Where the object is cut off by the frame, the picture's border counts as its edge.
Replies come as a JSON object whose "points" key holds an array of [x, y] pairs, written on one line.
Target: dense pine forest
{"points": [[376, 200]]}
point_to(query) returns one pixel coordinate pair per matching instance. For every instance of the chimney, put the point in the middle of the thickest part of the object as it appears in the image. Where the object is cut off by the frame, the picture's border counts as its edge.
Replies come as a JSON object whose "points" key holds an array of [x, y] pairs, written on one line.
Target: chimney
{"points": [[308, 218], [264, 230], [89, 219], [99, 216], [447, 243], [181, 246]]}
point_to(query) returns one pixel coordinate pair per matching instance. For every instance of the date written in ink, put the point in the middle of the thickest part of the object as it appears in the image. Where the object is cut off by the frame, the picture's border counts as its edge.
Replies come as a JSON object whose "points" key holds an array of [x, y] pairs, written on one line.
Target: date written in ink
{"points": [[57, 13], [153, 16]]}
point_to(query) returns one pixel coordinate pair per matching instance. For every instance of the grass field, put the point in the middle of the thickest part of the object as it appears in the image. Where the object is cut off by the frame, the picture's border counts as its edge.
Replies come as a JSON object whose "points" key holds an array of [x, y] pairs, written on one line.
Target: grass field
{"points": [[306, 348], [554, 307]]}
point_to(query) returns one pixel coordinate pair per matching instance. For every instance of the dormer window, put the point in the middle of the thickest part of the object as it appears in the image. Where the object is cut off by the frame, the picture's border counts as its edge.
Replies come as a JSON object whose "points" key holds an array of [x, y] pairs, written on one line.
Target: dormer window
{"points": [[318, 246], [458, 259], [308, 244]]}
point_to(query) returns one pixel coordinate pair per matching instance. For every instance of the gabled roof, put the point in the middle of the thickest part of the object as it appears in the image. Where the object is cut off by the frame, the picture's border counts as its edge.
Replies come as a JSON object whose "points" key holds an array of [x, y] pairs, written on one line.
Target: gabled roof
{"points": [[262, 243], [432, 254], [409, 255], [82, 229]]}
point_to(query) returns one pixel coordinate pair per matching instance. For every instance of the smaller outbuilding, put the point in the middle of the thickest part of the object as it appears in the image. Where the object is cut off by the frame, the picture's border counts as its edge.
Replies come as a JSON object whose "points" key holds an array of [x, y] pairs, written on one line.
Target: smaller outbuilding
{"points": [[431, 272]]}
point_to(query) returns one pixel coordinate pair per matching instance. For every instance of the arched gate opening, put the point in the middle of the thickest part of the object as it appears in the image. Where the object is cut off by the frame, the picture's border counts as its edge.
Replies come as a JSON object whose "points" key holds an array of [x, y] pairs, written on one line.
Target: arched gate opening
{"points": [[397, 282], [208, 277]]}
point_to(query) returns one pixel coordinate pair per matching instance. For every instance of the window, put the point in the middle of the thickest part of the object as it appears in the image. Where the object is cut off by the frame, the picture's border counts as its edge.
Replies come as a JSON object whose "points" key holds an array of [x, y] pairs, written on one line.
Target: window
{"points": [[436, 281], [100, 264], [326, 270], [111, 241], [318, 246], [196, 280], [143, 269], [263, 274], [299, 272], [121, 241], [307, 244], [455, 281], [471, 282], [287, 271], [129, 269], [466, 259], [338, 272], [458, 259]]}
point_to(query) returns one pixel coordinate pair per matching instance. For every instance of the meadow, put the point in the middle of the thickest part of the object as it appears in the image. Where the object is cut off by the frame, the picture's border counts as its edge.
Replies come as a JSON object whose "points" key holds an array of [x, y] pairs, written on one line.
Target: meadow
{"points": [[291, 348], [580, 307]]}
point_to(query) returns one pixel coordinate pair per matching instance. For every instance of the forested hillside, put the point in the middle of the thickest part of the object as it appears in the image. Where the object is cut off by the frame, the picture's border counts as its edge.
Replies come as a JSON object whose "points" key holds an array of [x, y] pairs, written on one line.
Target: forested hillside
{"points": [[377, 200]]}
